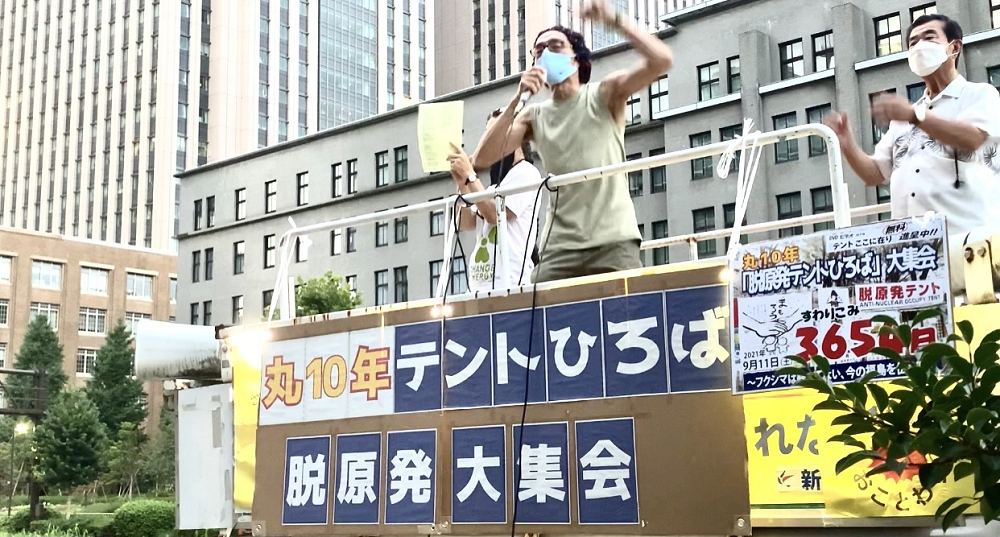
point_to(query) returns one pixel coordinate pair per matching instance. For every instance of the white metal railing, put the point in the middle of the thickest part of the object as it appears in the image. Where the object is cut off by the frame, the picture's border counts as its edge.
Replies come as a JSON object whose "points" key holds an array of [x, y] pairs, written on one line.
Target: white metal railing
{"points": [[284, 287]]}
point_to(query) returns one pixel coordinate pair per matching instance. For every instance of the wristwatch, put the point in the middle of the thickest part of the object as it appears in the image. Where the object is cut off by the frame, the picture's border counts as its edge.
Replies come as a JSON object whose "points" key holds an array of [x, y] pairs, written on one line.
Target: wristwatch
{"points": [[472, 179], [919, 113]]}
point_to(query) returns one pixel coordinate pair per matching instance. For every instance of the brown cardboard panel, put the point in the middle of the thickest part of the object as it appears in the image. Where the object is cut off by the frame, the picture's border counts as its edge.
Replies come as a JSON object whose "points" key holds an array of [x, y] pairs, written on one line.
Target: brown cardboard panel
{"points": [[690, 460]]}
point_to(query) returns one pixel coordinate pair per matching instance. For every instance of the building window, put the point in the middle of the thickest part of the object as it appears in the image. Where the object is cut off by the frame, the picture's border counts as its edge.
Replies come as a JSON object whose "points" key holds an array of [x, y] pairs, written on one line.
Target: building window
{"points": [[435, 270], [94, 281], [209, 264], [197, 214], [139, 286], [5, 264], [659, 97], [823, 52], [402, 229], [239, 256], [789, 206], [926, 9], [351, 239], [381, 234], [302, 189], [381, 168], [336, 176], [270, 196], [822, 201], [301, 250], [727, 134], [992, 76], [701, 168], [729, 220], [708, 82], [437, 223], [85, 360], [336, 242], [238, 309], [815, 115], [173, 290], [381, 287], [995, 10], [206, 312], [4, 311], [241, 203], [210, 211], [733, 68], [402, 163], [49, 311], [3, 355], [657, 175], [352, 282], [45, 275], [93, 320], [269, 251], [265, 298], [400, 284], [787, 150], [914, 92], [352, 176], [635, 178], [132, 320], [704, 220], [633, 113], [793, 63], [459, 280], [888, 35], [661, 255]]}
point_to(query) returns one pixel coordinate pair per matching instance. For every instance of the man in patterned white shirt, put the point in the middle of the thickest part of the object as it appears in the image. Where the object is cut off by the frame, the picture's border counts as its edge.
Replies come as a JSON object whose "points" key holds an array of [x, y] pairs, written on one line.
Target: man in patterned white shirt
{"points": [[939, 154]]}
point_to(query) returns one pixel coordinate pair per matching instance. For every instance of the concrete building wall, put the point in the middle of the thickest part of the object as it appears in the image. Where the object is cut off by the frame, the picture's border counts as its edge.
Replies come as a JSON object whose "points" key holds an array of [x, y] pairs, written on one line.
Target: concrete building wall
{"points": [[714, 32]]}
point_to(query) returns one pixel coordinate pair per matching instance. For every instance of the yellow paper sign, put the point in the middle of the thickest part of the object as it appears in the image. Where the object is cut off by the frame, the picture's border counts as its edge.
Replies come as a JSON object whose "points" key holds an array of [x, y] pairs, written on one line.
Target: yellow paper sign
{"points": [[791, 465], [438, 126]]}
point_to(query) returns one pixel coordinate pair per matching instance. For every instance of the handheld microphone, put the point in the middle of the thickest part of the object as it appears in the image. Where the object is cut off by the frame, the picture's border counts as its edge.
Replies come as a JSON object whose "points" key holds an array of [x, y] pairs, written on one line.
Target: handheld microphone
{"points": [[524, 100]]}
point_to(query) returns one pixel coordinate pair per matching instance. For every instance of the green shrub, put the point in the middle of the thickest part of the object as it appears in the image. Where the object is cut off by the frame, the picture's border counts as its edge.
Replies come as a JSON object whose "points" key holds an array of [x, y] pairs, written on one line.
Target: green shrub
{"points": [[20, 520], [75, 525], [144, 518]]}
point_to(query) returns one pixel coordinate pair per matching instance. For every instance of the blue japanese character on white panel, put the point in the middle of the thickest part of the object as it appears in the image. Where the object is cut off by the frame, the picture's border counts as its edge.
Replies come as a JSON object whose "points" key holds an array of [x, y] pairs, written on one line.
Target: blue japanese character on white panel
{"points": [[515, 360], [307, 474], [468, 371], [418, 367], [633, 345], [410, 487], [542, 486], [606, 478], [699, 339], [358, 478], [574, 360], [479, 475]]}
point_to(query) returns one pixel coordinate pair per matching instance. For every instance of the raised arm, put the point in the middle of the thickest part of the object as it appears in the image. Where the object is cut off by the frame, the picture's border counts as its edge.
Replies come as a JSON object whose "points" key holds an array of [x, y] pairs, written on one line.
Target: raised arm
{"points": [[657, 58], [510, 130], [863, 164]]}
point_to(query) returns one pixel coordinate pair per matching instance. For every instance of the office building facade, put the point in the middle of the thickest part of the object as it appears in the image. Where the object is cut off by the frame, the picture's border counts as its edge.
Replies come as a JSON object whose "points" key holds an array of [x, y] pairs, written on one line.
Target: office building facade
{"points": [[767, 61]]}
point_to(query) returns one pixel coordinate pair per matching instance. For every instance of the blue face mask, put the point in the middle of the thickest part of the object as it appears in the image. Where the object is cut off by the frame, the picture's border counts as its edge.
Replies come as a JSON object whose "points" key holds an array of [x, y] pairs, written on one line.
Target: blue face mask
{"points": [[558, 67]]}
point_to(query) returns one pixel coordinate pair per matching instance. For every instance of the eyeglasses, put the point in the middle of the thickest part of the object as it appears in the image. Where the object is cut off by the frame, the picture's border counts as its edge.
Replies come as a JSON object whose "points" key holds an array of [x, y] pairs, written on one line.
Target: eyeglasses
{"points": [[555, 45]]}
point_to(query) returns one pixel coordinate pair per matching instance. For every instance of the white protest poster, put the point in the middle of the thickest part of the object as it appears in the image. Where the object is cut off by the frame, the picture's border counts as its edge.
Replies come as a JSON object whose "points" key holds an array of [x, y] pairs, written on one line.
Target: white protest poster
{"points": [[439, 125], [817, 294]]}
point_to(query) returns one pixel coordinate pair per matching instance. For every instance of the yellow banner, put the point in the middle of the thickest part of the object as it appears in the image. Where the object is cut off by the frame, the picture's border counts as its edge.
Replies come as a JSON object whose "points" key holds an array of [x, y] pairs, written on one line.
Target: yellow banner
{"points": [[791, 465], [246, 394]]}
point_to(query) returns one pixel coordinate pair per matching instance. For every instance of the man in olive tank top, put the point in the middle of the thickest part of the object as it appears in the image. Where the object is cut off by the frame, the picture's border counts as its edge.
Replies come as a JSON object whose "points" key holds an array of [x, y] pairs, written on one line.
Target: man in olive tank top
{"points": [[591, 226]]}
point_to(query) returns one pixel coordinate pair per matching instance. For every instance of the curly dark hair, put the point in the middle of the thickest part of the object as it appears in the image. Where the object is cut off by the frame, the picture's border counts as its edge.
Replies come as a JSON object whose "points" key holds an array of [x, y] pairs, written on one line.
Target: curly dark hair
{"points": [[579, 48]]}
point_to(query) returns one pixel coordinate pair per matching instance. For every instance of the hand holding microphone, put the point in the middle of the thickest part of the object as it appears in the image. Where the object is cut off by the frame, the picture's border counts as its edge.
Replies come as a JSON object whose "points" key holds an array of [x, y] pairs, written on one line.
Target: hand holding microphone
{"points": [[531, 82]]}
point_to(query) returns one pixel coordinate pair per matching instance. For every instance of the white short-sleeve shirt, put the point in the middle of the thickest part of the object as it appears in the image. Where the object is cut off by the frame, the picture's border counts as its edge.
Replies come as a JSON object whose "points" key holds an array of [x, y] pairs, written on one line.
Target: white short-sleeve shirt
{"points": [[482, 261], [922, 171]]}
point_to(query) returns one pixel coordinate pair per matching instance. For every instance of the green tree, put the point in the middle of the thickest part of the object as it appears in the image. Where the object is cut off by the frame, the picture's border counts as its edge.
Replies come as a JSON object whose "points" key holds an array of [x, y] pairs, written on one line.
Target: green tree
{"points": [[118, 396], [70, 440], [325, 294], [159, 466], [40, 351], [126, 458], [946, 408]]}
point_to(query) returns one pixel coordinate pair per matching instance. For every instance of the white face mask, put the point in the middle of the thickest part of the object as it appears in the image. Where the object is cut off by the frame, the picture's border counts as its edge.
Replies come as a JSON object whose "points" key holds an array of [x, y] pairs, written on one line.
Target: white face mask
{"points": [[926, 57]]}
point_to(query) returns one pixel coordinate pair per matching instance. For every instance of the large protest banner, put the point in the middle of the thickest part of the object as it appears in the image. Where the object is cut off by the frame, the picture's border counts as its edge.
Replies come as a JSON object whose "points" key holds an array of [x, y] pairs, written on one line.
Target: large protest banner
{"points": [[391, 422], [817, 294]]}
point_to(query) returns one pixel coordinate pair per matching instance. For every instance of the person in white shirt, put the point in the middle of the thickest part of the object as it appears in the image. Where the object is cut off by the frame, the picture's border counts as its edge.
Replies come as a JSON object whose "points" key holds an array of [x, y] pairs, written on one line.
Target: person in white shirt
{"points": [[482, 216], [939, 154]]}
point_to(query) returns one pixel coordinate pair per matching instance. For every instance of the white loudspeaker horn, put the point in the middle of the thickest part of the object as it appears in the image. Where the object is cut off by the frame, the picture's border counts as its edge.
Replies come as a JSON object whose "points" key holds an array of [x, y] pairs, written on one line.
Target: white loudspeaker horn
{"points": [[176, 351]]}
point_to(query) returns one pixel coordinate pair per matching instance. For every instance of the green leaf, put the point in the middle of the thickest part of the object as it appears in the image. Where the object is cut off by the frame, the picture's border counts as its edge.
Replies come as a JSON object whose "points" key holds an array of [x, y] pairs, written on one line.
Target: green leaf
{"points": [[986, 354], [953, 515], [884, 319], [993, 336], [888, 353], [816, 384], [847, 419], [879, 395], [858, 393], [924, 315], [963, 470], [822, 363], [943, 385], [792, 371], [933, 473], [965, 327], [990, 378], [931, 354], [798, 359], [952, 338], [881, 438], [885, 467], [977, 417], [848, 440], [861, 427], [831, 404], [851, 459], [905, 335], [961, 367]]}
